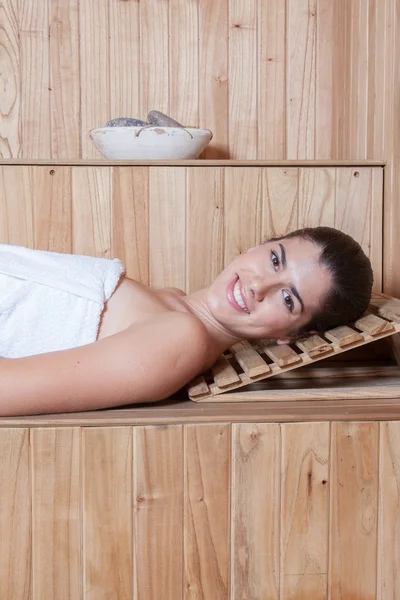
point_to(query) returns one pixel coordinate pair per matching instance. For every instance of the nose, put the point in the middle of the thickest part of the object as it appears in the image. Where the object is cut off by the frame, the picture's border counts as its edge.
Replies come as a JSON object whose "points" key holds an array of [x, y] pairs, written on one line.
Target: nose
{"points": [[258, 288]]}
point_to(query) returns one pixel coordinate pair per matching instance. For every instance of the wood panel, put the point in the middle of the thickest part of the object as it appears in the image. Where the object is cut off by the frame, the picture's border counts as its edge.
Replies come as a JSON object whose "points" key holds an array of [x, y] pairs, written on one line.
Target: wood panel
{"points": [[317, 197], [158, 512], [16, 207], [10, 77], [56, 513], [280, 193], [15, 515], [354, 510], [207, 512], [255, 533], [107, 513]]}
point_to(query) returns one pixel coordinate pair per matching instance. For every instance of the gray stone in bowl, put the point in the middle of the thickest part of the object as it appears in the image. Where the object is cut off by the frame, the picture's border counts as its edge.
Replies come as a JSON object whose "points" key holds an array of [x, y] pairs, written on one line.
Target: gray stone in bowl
{"points": [[158, 118], [125, 122]]}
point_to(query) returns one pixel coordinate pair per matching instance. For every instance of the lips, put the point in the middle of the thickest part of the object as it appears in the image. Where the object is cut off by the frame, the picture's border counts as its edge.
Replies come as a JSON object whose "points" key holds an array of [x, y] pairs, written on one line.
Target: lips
{"points": [[235, 296]]}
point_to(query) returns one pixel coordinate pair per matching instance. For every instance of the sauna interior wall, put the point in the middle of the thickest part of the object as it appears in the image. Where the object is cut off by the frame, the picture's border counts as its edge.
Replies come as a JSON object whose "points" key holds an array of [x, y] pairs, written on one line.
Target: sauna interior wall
{"points": [[179, 226], [273, 79]]}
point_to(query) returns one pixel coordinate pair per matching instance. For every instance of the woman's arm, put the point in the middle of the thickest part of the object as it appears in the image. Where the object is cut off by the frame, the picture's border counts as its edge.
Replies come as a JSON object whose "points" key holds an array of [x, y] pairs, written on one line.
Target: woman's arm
{"points": [[146, 362]]}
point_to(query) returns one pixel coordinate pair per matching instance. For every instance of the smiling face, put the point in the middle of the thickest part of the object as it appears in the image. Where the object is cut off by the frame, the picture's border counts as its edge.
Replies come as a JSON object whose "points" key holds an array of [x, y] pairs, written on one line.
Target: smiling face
{"points": [[270, 290]]}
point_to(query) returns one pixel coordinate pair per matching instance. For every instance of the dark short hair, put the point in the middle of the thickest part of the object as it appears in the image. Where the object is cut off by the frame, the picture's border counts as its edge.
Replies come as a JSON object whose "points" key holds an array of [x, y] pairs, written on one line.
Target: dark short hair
{"points": [[351, 278]]}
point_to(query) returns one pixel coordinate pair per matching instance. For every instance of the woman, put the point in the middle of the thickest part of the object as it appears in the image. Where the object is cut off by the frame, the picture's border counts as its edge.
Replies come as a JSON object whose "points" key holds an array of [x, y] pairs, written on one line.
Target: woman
{"points": [[146, 343]]}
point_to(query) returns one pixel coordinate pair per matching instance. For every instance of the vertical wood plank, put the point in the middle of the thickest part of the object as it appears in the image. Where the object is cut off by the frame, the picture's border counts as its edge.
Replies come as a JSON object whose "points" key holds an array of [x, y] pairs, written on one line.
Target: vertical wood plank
{"points": [[16, 206], [300, 78], [317, 197], [158, 512], [65, 78], [389, 512], [130, 220], [34, 23], [107, 518], [10, 81], [91, 211], [341, 77], [94, 72], [168, 226], [52, 206], [280, 201], [154, 65], [353, 509], [124, 59], [205, 226], [56, 513], [206, 511], [15, 515], [305, 510], [377, 232], [271, 79], [213, 75], [184, 62], [256, 456], [324, 91], [243, 131], [358, 91], [243, 193]]}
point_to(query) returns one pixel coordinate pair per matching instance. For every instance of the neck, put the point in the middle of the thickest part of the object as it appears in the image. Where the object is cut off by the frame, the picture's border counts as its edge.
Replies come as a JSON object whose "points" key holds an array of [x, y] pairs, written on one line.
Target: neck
{"points": [[196, 303]]}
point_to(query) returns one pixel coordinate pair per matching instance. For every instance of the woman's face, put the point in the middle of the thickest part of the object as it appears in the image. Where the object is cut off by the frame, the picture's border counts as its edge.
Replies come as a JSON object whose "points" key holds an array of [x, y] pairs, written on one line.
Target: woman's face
{"points": [[270, 290]]}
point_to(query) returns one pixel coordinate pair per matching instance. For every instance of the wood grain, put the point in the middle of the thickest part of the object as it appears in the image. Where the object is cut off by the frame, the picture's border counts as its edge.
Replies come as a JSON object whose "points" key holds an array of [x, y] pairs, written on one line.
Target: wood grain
{"points": [[91, 211], [389, 512], [305, 510], [107, 513], [243, 129], [16, 207], [15, 515], [65, 79], [353, 509], [130, 220], [324, 88], [158, 512], [206, 512], [255, 533], [10, 78], [317, 197], [56, 513], [280, 189]]}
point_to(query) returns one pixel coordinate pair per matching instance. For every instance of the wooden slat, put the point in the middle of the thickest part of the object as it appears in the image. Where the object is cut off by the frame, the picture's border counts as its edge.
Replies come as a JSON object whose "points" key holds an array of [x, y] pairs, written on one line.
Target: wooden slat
{"points": [[213, 75], [305, 510], [376, 238], [34, 46], [167, 214], [314, 346], [107, 517], [91, 211], [373, 325], [184, 62], [300, 78], [343, 335], [283, 355], [56, 513], [243, 78], [158, 512], [353, 510], [389, 512], [16, 207], [324, 94], [52, 207], [15, 515], [317, 197], [271, 79], [130, 220], [255, 533], [65, 79], [280, 199], [249, 359], [205, 226], [224, 374], [198, 387], [390, 309], [206, 512], [10, 130], [154, 56]]}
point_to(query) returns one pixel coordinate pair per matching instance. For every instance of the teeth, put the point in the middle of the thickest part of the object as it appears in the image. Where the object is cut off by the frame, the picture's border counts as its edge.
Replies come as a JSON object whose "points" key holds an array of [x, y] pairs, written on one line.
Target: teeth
{"points": [[238, 297]]}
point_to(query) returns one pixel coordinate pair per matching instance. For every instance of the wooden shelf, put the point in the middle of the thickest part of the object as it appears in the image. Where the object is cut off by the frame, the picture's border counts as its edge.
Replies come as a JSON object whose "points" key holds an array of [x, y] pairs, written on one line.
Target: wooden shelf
{"points": [[195, 163]]}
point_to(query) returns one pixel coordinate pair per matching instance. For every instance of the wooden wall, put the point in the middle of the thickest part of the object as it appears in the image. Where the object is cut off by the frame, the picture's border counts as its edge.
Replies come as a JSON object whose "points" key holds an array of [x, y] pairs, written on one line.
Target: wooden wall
{"points": [[201, 512], [179, 226]]}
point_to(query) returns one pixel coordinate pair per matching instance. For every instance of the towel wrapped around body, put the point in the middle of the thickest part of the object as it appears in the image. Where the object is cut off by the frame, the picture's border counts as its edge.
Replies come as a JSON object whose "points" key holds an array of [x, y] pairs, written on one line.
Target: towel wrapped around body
{"points": [[51, 301]]}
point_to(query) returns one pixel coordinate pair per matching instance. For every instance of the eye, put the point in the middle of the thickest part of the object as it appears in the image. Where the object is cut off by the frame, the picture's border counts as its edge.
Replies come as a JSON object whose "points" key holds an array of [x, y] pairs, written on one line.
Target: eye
{"points": [[287, 298], [275, 261]]}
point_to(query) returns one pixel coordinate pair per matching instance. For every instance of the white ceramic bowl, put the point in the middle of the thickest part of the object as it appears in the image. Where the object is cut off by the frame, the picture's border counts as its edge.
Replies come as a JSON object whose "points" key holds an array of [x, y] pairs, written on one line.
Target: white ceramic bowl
{"points": [[150, 143]]}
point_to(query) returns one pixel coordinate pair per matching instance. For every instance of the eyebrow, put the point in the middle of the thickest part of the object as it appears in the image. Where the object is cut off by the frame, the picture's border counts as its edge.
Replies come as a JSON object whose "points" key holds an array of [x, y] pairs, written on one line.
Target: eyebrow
{"points": [[292, 287]]}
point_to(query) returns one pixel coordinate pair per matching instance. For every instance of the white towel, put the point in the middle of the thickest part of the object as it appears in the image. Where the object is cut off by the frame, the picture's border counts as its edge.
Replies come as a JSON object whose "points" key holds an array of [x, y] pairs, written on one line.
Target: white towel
{"points": [[51, 301]]}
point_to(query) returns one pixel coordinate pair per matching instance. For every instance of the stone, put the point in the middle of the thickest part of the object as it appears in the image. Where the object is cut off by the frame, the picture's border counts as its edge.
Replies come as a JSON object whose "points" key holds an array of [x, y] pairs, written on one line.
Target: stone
{"points": [[126, 122], [155, 117]]}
